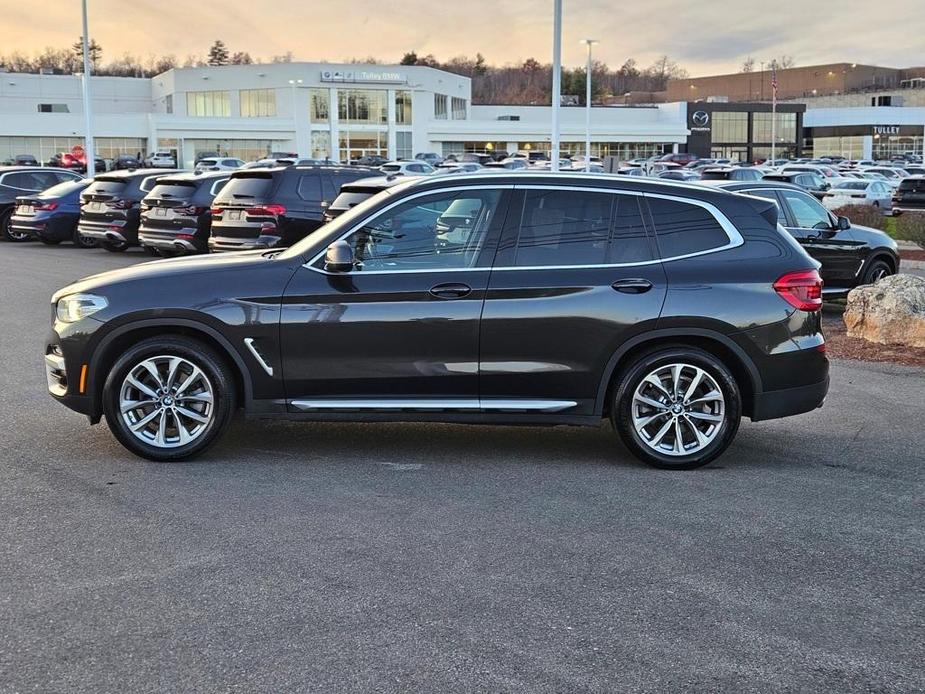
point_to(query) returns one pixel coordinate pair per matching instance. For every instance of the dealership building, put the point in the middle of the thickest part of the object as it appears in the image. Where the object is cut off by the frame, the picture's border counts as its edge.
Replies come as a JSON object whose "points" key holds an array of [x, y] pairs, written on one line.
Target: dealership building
{"points": [[337, 111]]}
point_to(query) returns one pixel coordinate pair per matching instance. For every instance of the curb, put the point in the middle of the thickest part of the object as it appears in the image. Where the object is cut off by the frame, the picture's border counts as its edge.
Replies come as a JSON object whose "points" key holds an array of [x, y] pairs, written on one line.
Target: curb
{"points": [[912, 264]]}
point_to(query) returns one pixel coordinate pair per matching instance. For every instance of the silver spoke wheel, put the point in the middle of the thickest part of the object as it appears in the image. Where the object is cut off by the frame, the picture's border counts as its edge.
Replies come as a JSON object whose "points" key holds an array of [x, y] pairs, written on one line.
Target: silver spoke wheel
{"points": [[678, 409], [166, 401]]}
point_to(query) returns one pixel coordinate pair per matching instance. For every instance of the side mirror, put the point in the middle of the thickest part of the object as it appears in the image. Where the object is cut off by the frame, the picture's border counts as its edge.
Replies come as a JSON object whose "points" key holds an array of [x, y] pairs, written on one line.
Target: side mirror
{"points": [[844, 223], [339, 257]]}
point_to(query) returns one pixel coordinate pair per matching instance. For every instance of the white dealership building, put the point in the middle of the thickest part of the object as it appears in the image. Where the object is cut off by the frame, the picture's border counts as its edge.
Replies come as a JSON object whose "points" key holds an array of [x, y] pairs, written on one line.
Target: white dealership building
{"points": [[315, 109], [340, 110]]}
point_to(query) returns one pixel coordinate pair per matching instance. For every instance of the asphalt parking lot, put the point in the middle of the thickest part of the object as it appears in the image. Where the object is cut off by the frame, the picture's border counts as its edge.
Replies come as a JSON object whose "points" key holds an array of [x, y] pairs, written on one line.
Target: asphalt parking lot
{"points": [[334, 557]]}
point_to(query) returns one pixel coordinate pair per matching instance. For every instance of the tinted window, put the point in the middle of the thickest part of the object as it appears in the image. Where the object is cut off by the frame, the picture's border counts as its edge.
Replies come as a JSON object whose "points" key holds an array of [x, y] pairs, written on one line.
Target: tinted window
{"points": [[564, 227], [807, 211], [684, 228], [247, 188], [102, 186], [173, 190], [348, 199], [629, 242], [217, 186], [916, 184], [310, 188], [444, 230], [31, 180], [768, 195]]}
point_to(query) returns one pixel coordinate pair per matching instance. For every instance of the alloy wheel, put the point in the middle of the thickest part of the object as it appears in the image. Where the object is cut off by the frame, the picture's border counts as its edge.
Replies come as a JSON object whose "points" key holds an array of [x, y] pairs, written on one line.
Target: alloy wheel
{"points": [[678, 409], [166, 401]]}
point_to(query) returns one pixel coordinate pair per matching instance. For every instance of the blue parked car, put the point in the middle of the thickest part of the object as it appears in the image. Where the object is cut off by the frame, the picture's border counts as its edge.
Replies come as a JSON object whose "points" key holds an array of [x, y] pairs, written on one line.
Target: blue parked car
{"points": [[51, 215]]}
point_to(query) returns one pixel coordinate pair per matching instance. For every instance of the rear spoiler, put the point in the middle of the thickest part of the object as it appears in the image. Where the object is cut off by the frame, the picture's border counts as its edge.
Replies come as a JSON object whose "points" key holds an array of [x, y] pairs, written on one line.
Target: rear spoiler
{"points": [[766, 208]]}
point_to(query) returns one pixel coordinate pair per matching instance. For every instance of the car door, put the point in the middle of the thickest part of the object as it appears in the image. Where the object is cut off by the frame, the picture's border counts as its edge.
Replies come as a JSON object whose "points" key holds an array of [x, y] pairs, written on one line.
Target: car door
{"points": [[817, 231], [400, 330], [576, 275]]}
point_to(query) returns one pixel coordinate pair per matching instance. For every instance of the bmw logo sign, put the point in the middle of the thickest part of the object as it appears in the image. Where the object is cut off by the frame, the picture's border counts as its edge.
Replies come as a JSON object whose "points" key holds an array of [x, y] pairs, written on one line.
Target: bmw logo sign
{"points": [[700, 118]]}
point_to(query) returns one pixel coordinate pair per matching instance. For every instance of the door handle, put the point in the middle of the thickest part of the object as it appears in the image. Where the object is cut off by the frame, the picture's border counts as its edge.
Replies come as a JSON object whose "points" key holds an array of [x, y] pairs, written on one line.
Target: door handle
{"points": [[450, 290], [634, 285]]}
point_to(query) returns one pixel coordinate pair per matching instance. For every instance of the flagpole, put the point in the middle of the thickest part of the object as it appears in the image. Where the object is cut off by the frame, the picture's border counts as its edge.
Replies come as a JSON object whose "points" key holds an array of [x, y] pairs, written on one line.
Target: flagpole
{"points": [[773, 111]]}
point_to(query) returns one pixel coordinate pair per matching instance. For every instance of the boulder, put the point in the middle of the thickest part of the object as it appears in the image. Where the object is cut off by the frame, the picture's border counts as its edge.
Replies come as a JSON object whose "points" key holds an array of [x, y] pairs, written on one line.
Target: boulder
{"points": [[892, 311]]}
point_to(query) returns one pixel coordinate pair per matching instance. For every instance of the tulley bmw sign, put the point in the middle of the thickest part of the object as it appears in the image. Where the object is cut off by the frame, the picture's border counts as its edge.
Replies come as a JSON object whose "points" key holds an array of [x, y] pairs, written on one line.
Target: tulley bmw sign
{"points": [[362, 76]]}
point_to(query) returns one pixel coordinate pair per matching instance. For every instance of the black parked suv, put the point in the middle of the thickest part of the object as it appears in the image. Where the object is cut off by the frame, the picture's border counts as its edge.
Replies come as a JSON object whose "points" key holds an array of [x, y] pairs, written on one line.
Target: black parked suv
{"points": [[274, 207], [176, 217], [489, 298], [353, 193], [110, 208], [850, 255], [16, 181], [909, 196]]}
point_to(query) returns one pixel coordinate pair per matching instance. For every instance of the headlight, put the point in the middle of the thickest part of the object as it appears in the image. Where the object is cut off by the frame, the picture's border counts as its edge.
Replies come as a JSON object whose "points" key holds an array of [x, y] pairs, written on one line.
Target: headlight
{"points": [[76, 306]]}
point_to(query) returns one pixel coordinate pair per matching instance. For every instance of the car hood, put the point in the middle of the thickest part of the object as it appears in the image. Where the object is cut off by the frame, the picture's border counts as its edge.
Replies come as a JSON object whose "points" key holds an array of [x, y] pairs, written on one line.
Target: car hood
{"points": [[169, 268]]}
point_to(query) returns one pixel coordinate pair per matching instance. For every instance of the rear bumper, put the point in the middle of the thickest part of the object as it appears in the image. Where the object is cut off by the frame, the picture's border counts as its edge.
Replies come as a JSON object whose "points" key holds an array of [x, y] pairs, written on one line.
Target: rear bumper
{"points": [[899, 208], [167, 243], [790, 401], [221, 244], [116, 231]]}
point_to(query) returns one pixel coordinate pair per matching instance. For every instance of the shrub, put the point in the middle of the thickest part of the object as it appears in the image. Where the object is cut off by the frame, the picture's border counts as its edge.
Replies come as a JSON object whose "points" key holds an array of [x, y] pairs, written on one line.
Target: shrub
{"points": [[911, 226], [863, 215]]}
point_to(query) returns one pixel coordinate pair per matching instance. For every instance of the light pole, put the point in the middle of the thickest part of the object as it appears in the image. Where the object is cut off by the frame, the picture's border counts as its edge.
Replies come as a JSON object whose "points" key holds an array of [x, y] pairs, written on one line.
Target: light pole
{"points": [[588, 43], [85, 85], [556, 82], [295, 114]]}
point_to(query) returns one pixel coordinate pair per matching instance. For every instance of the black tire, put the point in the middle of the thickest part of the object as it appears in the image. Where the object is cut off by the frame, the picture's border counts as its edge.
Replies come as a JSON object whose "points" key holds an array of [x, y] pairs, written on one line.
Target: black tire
{"points": [[150, 250], [634, 374], [82, 241], [49, 242], [877, 270], [7, 233], [115, 246], [214, 367]]}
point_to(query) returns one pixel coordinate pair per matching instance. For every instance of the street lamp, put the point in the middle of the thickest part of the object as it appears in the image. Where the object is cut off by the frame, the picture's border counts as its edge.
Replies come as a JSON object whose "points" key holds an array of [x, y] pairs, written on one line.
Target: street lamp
{"points": [[588, 43], [295, 113], [85, 85], [556, 82]]}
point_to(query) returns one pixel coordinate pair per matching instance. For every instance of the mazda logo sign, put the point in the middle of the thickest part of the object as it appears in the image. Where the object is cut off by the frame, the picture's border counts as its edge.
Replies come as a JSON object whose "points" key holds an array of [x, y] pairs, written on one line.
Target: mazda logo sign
{"points": [[700, 118]]}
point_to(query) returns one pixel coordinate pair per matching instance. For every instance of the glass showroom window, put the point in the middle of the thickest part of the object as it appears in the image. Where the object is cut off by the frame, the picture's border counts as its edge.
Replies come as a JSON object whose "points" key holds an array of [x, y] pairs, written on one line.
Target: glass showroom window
{"points": [[258, 103], [319, 99], [848, 146], [321, 144], [403, 107], [362, 106], [761, 127], [208, 104], [459, 108], [112, 147], [403, 145], [440, 106], [730, 126]]}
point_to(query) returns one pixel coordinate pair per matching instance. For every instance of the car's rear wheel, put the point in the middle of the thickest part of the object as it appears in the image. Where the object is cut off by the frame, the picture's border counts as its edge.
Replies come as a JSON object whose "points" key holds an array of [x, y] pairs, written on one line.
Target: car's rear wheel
{"points": [[6, 230], [82, 241], [169, 398], [115, 246], [676, 407], [877, 270]]}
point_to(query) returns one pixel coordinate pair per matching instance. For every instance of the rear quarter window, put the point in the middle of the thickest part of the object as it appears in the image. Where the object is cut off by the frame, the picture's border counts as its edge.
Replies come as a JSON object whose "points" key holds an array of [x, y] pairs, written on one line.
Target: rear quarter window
{"points": [[310, 188], [683, 228]]}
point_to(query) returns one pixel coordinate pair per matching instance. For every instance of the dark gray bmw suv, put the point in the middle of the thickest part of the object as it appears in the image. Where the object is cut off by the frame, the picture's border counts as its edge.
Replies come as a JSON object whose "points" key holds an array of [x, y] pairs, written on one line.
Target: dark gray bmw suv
{"points": [[527, 298]]}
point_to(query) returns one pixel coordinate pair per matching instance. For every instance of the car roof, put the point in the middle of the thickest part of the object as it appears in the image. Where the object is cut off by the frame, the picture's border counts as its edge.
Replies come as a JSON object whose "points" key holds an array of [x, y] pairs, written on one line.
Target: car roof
{"points": [[135, 173], [7, 169], [189, 176], [734, 186]]}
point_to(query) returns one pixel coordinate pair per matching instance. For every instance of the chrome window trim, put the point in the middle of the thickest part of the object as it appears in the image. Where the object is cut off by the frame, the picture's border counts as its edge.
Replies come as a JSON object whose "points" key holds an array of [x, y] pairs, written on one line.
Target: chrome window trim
{"points": [[735, 238], [499, 404]]}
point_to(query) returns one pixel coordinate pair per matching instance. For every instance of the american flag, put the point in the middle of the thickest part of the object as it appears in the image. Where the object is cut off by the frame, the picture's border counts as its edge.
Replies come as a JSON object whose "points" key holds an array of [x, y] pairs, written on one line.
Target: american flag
{"points": [[774, 79]]}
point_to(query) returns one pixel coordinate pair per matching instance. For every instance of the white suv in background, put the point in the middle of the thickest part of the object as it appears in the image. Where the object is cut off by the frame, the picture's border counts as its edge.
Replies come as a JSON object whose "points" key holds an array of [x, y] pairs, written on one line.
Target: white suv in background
{"points": [[161, 160], [218, 164], [406, 168]]}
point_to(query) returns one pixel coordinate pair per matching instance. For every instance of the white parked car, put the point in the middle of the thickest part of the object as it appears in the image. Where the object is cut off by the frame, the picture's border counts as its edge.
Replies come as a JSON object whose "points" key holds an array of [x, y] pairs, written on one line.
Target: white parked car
{"points": [[457, 168], [161, 160], [406, 168], [848, 192], [892, 175], [218, 164]]}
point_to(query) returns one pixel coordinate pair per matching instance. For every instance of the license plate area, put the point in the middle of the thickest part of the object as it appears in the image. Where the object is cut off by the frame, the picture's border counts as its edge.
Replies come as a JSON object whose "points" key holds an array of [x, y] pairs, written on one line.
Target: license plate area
{"points": [[235, 215]]}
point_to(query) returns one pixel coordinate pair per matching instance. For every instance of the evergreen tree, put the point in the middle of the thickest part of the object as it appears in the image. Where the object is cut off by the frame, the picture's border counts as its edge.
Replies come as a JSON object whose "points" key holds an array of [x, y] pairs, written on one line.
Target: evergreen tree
{"points": [[218, 54]]}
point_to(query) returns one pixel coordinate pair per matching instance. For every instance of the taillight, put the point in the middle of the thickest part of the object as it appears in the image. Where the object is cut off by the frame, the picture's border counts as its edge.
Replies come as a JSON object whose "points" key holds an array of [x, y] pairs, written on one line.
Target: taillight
{"points": [[272, 210], [216, 211], [801, 289], [119, 204], [47, 207]]}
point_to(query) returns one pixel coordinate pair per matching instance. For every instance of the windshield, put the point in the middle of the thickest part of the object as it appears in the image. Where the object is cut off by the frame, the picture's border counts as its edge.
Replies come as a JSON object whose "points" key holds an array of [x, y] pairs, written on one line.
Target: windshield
{"points": [[330, 231]]}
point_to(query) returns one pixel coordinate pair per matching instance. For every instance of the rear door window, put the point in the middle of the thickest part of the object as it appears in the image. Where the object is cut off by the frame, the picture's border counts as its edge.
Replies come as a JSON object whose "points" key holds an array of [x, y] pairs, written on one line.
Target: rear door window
{"points": [[564, 227], [683, 228], [769, 195]]}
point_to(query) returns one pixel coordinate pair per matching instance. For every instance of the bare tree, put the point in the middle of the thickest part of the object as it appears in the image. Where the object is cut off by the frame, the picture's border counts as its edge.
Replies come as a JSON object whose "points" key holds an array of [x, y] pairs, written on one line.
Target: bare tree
{"points": [[748, 65]]}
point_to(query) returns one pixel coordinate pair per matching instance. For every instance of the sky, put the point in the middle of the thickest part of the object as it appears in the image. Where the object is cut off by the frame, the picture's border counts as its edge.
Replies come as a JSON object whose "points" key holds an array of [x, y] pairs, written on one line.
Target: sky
{"points": [[704, 37]]}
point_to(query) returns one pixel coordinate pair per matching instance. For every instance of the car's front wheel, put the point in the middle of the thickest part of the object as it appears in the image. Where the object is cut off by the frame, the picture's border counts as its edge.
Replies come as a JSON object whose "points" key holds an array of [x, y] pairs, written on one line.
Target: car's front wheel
{"points": [[676, 407], [169, 398], [877, 270]]}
